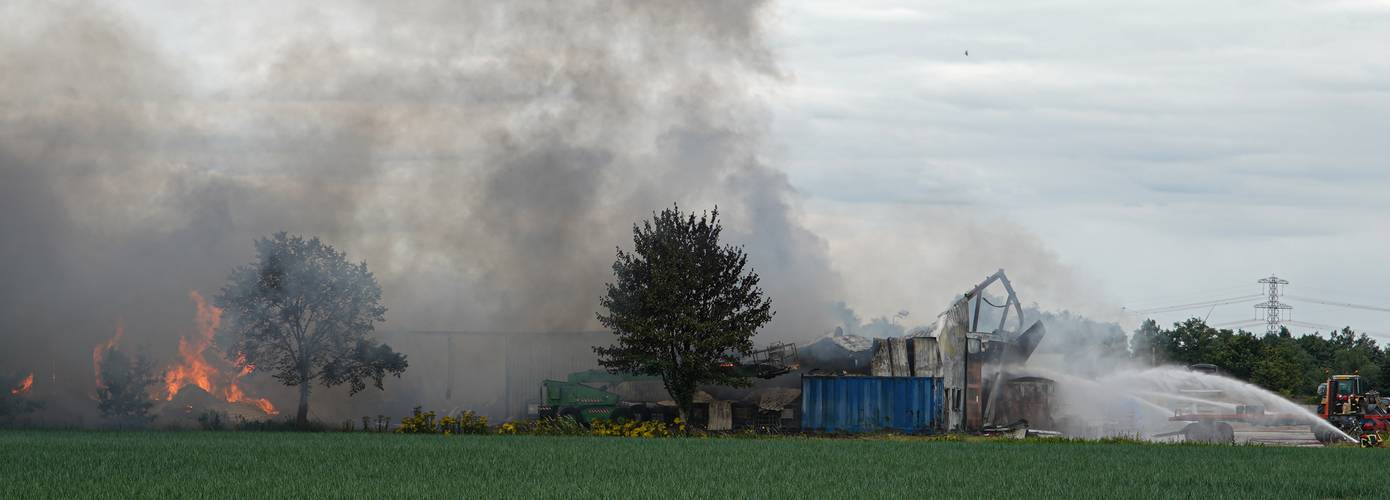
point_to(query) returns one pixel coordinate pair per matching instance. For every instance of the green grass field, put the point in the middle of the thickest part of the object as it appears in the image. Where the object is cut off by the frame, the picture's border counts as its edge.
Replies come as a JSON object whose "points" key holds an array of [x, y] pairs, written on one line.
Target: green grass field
{"points": [[54, 464]]}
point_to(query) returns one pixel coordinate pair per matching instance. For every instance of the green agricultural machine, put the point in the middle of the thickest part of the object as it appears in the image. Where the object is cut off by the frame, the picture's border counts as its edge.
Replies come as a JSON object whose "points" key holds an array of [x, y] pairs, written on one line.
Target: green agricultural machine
{"points": [[596, 394]]}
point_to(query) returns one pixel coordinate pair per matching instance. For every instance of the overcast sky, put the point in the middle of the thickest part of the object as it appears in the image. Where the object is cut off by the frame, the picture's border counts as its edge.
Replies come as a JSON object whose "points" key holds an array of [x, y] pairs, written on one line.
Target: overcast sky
{"points": [[1132, 154], [1165, 151]]}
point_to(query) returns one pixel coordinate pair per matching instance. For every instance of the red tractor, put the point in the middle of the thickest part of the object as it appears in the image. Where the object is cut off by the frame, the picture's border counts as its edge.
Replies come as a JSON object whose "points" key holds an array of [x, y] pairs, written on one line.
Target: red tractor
{"points": [[1349, 404]]}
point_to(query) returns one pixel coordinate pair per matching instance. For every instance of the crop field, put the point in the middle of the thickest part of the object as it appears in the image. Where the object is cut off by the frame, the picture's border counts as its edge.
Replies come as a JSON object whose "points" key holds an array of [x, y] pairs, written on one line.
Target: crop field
{"points": [[60, 464]]}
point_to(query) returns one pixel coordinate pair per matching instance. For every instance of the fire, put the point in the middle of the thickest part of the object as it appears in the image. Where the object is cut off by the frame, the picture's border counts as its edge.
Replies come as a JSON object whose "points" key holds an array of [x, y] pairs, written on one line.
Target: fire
{"points": [[194, 368], [234, 395], [23, 386], [99, 352], [246, 368]]}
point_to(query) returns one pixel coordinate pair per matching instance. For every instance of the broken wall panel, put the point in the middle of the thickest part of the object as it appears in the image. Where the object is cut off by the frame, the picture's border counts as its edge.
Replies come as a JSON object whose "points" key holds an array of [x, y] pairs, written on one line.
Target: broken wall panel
{"points": [[881, 365], [926, 360], [897, 347], [721, 416]]}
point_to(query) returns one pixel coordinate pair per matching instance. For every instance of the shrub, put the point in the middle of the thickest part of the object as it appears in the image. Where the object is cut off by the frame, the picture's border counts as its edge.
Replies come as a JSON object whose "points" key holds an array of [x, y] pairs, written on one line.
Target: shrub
{"points": [[650, 428], [466, 423], [423, 423], [552, 426], [418, 423], [566, 426]]}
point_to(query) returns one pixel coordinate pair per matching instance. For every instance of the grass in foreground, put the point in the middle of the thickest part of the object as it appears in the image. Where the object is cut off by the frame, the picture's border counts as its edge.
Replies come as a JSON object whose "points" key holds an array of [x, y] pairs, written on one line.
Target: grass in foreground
{"points": [[56, 464]]}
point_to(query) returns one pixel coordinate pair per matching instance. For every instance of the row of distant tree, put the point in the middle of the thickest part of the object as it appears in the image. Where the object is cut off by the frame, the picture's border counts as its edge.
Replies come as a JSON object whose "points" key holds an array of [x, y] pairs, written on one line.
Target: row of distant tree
{"points": [[1284, 363], [1281, 362]]}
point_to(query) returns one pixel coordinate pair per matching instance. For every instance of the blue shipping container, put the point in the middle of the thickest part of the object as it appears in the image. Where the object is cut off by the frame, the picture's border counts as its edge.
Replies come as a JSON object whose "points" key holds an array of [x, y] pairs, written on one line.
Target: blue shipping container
{"points": [[866, 404]]}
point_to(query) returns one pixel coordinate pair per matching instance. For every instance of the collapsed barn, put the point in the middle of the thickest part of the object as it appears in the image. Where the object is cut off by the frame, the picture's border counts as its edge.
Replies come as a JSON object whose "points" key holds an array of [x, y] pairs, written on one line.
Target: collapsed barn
{"points": [[955, 376]]}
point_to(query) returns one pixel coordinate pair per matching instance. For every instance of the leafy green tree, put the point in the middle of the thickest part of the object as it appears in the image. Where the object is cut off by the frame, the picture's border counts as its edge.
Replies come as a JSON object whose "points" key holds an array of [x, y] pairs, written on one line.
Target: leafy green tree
{"points": [[1278, 362], [305, 313], [1283, 367], [681, 304], [1236, 352], [1192, 341], [1144, 344], [124, 395], [1356, 354]]}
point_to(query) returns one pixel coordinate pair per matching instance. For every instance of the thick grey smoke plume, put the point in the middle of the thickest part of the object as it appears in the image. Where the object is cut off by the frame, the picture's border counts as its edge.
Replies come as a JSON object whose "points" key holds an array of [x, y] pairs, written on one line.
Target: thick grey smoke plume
{"points": [[485, 158]]}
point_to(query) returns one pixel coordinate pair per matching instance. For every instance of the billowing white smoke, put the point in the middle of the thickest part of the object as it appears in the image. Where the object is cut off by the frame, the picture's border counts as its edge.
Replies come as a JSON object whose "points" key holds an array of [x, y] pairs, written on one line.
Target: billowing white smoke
{"points": [[485, 158]]}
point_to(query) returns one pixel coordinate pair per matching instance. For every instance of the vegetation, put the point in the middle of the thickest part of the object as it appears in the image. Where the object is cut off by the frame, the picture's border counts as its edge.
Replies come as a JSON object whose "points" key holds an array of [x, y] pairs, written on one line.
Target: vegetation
{"points": [[629, 428], [681, 305], [423, 423], [51, 464], [559, 426], [304, 312], [124, 394], [1293, 366]]}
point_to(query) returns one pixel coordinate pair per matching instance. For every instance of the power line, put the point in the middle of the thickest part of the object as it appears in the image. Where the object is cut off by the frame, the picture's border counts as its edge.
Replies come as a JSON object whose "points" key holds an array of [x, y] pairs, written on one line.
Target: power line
{"points": [[1276, 311], [1340, 304], [1242, 322], [1198, 305], [1307, 324], [1155, 301]]}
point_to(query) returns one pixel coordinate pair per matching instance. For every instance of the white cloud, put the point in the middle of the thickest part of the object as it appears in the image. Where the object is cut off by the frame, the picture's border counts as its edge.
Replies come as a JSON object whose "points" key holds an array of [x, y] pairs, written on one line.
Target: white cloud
{"points": [[1157, 147]]}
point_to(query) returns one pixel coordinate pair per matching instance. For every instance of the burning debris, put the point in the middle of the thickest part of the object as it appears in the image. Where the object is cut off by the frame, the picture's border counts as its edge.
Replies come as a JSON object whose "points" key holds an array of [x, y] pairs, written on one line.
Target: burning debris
{"points": [[18, 401], [23, 386], [194, 369]]}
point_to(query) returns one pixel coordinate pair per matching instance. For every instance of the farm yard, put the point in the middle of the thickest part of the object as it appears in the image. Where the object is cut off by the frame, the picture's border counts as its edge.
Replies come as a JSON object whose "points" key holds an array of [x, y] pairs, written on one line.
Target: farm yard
{"points": [[66, 464]]}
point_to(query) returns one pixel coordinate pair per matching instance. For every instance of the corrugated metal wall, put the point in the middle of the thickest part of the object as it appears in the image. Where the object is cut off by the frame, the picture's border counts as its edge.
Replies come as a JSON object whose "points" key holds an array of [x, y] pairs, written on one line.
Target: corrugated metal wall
{"points": [[865, 404]]}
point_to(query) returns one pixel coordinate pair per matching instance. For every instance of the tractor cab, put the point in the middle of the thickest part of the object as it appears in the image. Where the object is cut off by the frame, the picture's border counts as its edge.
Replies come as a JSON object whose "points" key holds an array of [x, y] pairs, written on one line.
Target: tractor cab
{"points": [[1342, 395], [1349, 403]]}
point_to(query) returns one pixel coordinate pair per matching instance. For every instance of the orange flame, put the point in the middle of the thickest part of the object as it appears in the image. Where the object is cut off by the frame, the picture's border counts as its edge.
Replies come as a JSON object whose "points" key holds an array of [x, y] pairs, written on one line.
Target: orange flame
{"points": [[234, 395], [196, 370], [23, 386], [246, 368], [100, 350]]}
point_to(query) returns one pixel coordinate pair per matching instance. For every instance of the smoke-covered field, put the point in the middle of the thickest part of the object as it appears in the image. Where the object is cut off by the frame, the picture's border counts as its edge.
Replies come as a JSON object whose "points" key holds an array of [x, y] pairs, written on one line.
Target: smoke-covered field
{"points": [[336, 465]]}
